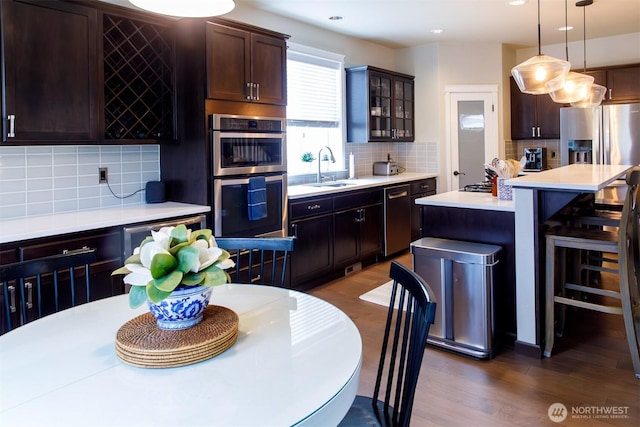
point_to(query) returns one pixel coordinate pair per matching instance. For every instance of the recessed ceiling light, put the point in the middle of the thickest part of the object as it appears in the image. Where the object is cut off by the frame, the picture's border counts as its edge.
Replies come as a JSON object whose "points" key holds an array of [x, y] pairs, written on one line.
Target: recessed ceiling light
{"points": [[335, 18], [517, 2], [568, 28], [437, 31]]}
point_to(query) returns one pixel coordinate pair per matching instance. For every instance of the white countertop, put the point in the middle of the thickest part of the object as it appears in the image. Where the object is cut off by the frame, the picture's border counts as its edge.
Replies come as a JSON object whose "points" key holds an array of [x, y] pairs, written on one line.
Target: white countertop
{"points": [[306, 190], [577, 177], [13, 230], [468, 200]]}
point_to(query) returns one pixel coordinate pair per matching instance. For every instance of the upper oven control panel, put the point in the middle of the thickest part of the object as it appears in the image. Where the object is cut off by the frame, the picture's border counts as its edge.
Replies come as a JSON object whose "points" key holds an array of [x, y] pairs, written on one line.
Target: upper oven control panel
{"points": [[248, 124]]}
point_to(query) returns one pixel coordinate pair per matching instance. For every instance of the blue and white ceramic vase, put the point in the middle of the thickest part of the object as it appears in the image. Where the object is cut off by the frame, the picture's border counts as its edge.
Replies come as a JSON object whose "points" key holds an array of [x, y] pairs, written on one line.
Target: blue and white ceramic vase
{"points": [[182, 309]]}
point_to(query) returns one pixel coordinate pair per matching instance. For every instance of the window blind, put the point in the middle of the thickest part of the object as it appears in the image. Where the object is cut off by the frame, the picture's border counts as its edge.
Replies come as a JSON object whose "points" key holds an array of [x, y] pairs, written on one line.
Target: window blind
{"points": [[313, 91]]}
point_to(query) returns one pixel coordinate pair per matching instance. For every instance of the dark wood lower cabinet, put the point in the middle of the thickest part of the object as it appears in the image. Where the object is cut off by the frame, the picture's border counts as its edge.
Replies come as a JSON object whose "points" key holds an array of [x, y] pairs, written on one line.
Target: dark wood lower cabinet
{"points": [[358, 235], [313, 253]]}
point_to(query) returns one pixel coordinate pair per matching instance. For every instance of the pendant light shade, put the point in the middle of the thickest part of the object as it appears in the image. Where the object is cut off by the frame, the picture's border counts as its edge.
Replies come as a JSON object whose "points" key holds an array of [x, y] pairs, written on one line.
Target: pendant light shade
{"points": [[540, 74], [593, 98], [576, 86], [596, 92], [186, 8]]}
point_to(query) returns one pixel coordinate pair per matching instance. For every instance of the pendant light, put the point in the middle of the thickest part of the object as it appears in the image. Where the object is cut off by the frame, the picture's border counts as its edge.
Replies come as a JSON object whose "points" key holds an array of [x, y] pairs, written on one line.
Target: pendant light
{"points": [[186, 8], [540, 74], [597, 92], [576, 86]]}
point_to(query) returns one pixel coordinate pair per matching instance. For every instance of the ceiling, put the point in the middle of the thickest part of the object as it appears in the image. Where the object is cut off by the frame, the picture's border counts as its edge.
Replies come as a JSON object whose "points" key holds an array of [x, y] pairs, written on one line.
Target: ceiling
{"points": [[405, 23]]}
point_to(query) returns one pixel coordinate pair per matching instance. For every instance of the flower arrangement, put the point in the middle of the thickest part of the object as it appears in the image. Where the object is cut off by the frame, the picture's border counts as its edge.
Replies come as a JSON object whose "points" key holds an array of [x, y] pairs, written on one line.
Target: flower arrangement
{"points": [[172, 257]]}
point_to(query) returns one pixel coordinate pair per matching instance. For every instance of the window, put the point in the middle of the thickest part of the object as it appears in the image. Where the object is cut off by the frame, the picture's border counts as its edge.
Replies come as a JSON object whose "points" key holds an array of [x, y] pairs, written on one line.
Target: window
{"points": [[314, 109]]}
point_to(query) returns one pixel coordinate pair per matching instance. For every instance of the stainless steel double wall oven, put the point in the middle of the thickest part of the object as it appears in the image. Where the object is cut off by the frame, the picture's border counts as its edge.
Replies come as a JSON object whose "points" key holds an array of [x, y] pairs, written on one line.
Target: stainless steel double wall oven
{"points": [[243, 148]]}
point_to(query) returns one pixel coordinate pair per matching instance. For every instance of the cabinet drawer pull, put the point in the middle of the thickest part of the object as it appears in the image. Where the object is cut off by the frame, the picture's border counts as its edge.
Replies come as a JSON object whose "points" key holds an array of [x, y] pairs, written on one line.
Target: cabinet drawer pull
{"points": [[610, 93], [257, 85], [313, 207], [12, 298], [397, 195], [29, 287], [72, 251], [12, 126]]}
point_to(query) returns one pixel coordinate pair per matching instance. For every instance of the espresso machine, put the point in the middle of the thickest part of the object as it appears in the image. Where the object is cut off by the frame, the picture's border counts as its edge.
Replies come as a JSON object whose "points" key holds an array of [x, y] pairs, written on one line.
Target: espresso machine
{"points": [[536, 159]]}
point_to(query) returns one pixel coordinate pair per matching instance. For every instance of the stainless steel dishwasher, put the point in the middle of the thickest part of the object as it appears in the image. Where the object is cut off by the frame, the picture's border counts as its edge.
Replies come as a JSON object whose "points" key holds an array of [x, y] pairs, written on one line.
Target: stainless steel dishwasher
{"points": [[397, 212]]}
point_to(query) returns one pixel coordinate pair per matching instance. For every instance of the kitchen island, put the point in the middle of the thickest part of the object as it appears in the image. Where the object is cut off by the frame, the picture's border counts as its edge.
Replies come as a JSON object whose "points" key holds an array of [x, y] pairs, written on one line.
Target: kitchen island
{"points": [[537, 197], [518, 226]]}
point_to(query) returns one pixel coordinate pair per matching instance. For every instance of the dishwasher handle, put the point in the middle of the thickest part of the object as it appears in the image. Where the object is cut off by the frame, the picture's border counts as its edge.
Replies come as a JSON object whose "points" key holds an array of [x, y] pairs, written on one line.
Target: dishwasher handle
{"points": [[391, 196]]}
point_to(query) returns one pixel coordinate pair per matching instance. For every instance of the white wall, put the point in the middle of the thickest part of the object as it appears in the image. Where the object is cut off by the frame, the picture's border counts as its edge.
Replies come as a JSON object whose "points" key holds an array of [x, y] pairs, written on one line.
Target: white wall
{"points": [[617, 50]]}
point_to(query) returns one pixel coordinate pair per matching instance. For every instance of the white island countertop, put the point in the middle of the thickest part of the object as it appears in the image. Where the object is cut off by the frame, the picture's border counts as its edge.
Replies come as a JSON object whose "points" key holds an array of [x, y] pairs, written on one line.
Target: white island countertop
{"points": [[577, 177], [468, 200], [13, 230]]}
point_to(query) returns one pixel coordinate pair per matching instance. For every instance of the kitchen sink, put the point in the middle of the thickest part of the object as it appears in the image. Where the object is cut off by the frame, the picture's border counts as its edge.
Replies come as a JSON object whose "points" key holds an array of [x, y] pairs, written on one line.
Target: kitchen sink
{"points": [[330, 184]]}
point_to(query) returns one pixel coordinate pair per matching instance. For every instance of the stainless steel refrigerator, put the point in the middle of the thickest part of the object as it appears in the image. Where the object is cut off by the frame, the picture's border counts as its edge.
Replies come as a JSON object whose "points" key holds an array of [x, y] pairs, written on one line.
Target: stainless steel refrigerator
{"points": [[608, 134]]}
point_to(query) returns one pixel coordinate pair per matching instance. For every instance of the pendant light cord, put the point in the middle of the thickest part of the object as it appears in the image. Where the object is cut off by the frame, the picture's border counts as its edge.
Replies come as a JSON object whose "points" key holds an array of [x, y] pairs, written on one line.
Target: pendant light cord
{"points": [[584, 37], [539, 47], [566, 31]]}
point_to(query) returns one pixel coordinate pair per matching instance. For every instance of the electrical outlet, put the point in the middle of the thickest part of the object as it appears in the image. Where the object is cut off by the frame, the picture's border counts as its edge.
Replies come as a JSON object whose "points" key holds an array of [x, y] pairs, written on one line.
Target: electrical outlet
{"points": [[103, 175]]}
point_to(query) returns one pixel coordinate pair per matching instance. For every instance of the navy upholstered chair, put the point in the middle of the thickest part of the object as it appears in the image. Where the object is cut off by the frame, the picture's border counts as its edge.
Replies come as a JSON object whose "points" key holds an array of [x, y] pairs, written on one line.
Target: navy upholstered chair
{"points": [[260, 260]]}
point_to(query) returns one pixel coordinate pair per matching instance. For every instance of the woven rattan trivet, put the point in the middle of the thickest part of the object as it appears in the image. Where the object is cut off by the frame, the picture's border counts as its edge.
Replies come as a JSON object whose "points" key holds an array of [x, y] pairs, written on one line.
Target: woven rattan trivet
{"points": [[140, 342]]}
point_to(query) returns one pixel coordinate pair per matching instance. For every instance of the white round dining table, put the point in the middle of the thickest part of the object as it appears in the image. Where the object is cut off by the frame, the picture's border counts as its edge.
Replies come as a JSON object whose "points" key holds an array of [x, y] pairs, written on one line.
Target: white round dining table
{"points": [[296, 361]]}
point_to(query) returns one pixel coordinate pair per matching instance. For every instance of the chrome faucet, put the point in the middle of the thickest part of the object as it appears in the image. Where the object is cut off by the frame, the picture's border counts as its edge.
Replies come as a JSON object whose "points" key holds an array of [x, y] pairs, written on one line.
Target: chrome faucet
{"points": [[333, 160]]}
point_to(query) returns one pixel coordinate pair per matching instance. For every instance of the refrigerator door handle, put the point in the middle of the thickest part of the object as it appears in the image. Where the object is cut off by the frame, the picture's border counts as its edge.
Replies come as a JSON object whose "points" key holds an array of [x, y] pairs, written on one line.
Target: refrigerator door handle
{"points": [[605, 137]]}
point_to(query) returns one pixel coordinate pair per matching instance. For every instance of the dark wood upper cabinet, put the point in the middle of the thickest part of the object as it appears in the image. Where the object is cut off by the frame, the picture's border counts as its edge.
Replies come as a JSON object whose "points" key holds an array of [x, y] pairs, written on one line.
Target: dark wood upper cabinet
{"points": [[533, 116], [245, 66], [623, 84], [380, 105], [50, 72], [139, 79]]}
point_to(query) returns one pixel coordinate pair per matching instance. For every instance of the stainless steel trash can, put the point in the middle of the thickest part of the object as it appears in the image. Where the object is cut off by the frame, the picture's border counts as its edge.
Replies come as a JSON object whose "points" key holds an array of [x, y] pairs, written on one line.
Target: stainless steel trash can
{"points": [[461, 275]]}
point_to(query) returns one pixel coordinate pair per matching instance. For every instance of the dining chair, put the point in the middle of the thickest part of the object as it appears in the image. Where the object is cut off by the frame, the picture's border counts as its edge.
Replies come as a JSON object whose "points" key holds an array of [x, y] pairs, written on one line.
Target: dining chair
{"points": [[255, 256], [403, 346], [49, 281]]}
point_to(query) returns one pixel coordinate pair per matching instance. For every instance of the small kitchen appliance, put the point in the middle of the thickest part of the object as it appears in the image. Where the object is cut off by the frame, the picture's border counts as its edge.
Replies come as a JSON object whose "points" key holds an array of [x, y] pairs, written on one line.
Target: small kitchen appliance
{"points": [[535, 159], [386, 168]]}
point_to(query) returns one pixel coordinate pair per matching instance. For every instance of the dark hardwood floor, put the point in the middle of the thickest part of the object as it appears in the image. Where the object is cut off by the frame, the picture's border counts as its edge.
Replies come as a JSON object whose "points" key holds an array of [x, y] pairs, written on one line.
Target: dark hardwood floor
{"points": [[590, 370]]}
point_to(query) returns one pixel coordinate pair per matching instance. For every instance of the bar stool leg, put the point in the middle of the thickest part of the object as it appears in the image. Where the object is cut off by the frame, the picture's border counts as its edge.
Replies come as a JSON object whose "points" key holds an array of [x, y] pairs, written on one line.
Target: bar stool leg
{"points": [[550, 291]]}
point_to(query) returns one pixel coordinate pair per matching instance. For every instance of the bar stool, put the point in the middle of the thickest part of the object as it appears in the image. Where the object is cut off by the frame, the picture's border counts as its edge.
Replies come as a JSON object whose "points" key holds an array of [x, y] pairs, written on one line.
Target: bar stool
{"points": [[625, 243], [558, 240]]}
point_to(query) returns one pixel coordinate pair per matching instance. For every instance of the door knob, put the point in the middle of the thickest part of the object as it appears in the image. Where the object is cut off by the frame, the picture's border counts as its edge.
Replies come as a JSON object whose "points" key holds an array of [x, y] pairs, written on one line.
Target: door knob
{"points": [[456, 173]]}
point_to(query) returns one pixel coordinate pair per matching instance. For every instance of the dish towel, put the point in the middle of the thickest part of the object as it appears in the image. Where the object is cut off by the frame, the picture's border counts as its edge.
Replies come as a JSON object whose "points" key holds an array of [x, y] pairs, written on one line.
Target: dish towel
{"points": [[257, 198]]}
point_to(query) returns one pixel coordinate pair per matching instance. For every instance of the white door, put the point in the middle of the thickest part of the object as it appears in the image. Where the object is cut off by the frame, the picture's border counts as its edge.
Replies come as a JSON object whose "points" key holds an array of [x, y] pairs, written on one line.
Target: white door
{"points": [[472, 132]]}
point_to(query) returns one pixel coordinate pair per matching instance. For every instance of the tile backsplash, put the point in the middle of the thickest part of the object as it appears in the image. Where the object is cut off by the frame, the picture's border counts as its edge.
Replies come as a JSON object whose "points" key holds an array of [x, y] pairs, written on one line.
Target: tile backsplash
{"points": [[40, 180]]}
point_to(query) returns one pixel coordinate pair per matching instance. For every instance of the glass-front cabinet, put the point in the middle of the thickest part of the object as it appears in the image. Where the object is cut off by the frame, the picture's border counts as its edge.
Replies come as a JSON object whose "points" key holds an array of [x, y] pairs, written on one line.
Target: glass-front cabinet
{"points": [[380, 105]]}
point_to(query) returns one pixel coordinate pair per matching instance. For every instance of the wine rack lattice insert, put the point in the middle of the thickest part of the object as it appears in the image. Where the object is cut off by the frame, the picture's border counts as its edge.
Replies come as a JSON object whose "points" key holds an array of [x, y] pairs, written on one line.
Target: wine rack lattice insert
{"points": [[138, 79]]}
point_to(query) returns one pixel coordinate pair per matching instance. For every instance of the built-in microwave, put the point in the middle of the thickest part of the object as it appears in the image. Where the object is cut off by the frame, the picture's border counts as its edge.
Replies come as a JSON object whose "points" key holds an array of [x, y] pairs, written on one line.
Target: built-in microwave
{"points": [[243, 145]]}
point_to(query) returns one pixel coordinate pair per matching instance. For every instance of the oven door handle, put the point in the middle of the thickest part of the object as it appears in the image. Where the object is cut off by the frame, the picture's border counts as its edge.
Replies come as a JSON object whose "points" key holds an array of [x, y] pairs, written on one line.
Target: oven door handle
{"points": [[236, 181]]}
